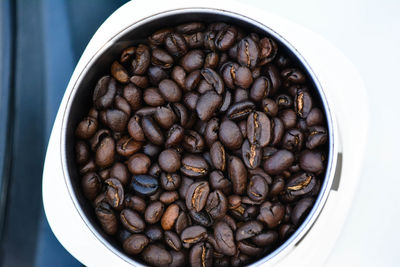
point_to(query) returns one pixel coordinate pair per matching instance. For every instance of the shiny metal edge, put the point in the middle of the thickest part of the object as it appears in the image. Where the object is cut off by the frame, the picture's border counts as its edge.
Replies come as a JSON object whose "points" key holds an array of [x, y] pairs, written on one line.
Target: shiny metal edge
{"points": [[332, 128]]}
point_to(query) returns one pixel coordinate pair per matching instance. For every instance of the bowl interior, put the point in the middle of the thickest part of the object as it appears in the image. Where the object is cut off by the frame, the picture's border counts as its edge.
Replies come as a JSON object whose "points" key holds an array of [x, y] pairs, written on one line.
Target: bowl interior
{"points": [[80, 100]]}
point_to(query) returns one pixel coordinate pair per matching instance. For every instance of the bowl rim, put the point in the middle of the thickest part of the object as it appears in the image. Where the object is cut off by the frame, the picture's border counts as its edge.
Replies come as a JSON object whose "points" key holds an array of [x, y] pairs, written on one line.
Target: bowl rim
{"points": [[333, 151]]}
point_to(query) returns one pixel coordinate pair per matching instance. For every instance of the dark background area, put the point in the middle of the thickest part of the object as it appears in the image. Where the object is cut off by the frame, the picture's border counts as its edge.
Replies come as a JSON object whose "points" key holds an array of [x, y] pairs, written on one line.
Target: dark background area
{"points": [[40, 44]]}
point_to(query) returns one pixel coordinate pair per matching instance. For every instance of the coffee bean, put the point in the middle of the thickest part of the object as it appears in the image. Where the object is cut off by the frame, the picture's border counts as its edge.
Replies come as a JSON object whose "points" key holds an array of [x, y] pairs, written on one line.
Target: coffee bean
{"points": [[135, 244], [196, 196], [193, 60], [251, 154], [91, 185], [190, 99], [132, 221], [178, 74], [311, 161], [248, 52], [230, 135], [224, 238], [237, 174], [208, 104], [145, 185], [193, 142], [271, 213], [140, 81], [135, 203], [139, 163], [293, 140], [127, 146], [218, 181], [192, 235], [178, 258], [194, 166], [156, 75], [114, 193], [119, 72], [153, 97], [248, 230], [213, 78], [105, 153], [315, 117], [201, 255], [152, 131], [169, 217], [106, 217], [133, 95], [258, 128], [249, 248], [217, 205], [318, 136], [240, 110], [104, 92], [169, 90], [257, 188], [174, 136], [154, 212], [156, 256], [301, 210], [172, 239], [260, 89], [192, 80], [278, 162], [169, 160], [170, 181]]}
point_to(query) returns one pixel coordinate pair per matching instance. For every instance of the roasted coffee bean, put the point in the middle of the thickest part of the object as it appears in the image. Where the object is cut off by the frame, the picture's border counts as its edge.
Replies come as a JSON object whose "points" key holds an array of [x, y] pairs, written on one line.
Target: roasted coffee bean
{"points": [[201, 255], [271, 213], [218, 181], [114, 192], [237, 174], [174, 136], [257, 189], [293, 140], [240, 110], [265, 239], [177, 150], [217, 205], [192, 80], [104, 92], [278, 162], [135, 244], [170, 181], [170, 91], [156, 256], [315, 117], [311, 161], [86, 128], [208, 104], [133, 95], [318, 136], [107, 219], [193, 142], [194, 166], [169, 217], [169, 160], [248, 52], [192, 235], [230, 135], [135, 203], [258, 128], [145, 185], [139, 163], [172, 240], [152, 131], [132, 221], [127, 146], [91, 185], [153, 97], [248, 230], [196, 196], [154, 212], [301, 210], [251, 155], [224, 238]]}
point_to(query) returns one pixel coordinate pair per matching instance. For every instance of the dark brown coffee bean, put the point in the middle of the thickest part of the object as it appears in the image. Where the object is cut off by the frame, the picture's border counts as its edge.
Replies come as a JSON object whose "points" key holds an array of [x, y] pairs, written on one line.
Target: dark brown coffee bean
{"points": [[196, 196], [243, 77], [293, 75], [181, 222], [278, 162], [135, 129], [277, 186], [116, 120], [104, 92], [174, 136], [271, 213], [237, 174], [191, 27], [318, 136], [208, 104], [142, 60], [248, 52], [86, 128], [91, 185], [230, 135], [228, 72], [135, 244], [114, 192], [178, 259], [82, 152], [178, 74], [135, 203], [249, 248], [140, 81], [293, 140], [194, 40], [123, 235], [209, 40], [106, 217], [278, 129], [169, 217], [302, 103], [153, 97], [201, 255], [268, 50], [145, 185], [192, 235], [169, 160], [202, 218], [169, 197], [105, 152], [154, 232], [265, 239], [258, 129], [285, 231], [154, 212], [172, 240], [218, 156], [211, 61], [132, 221], [274, 76], [204, 86], [251, 155], [158, 37], [133, 95], [260, 89], [90, 166], [315, 117], [193, 60], [211, 131], [257, 188], [225, 38], [312, 161], [156, 75], [156, 256], [139, 163], [160, 57], [301, 210], [192, 80], [127, 146], [170, 90], [217, 205], [190, 99], [224, 238], [240, 110], [121, 104], [119, 72], [193, 142], [182, 114], [165, 117], [248, 230], [170, 181], [218, 181], [213, 78], [194, 166], [270, 107], [127, 54], [152, 131]]}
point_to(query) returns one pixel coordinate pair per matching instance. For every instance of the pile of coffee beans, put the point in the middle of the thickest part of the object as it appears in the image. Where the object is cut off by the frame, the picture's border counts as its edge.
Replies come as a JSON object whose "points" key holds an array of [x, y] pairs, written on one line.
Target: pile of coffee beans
{"points": [[206, 145]]}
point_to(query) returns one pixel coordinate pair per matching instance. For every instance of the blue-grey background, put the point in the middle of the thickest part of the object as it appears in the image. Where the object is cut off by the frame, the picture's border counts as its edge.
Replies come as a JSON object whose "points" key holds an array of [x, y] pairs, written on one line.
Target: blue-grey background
{"points": [[41, 41]]}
